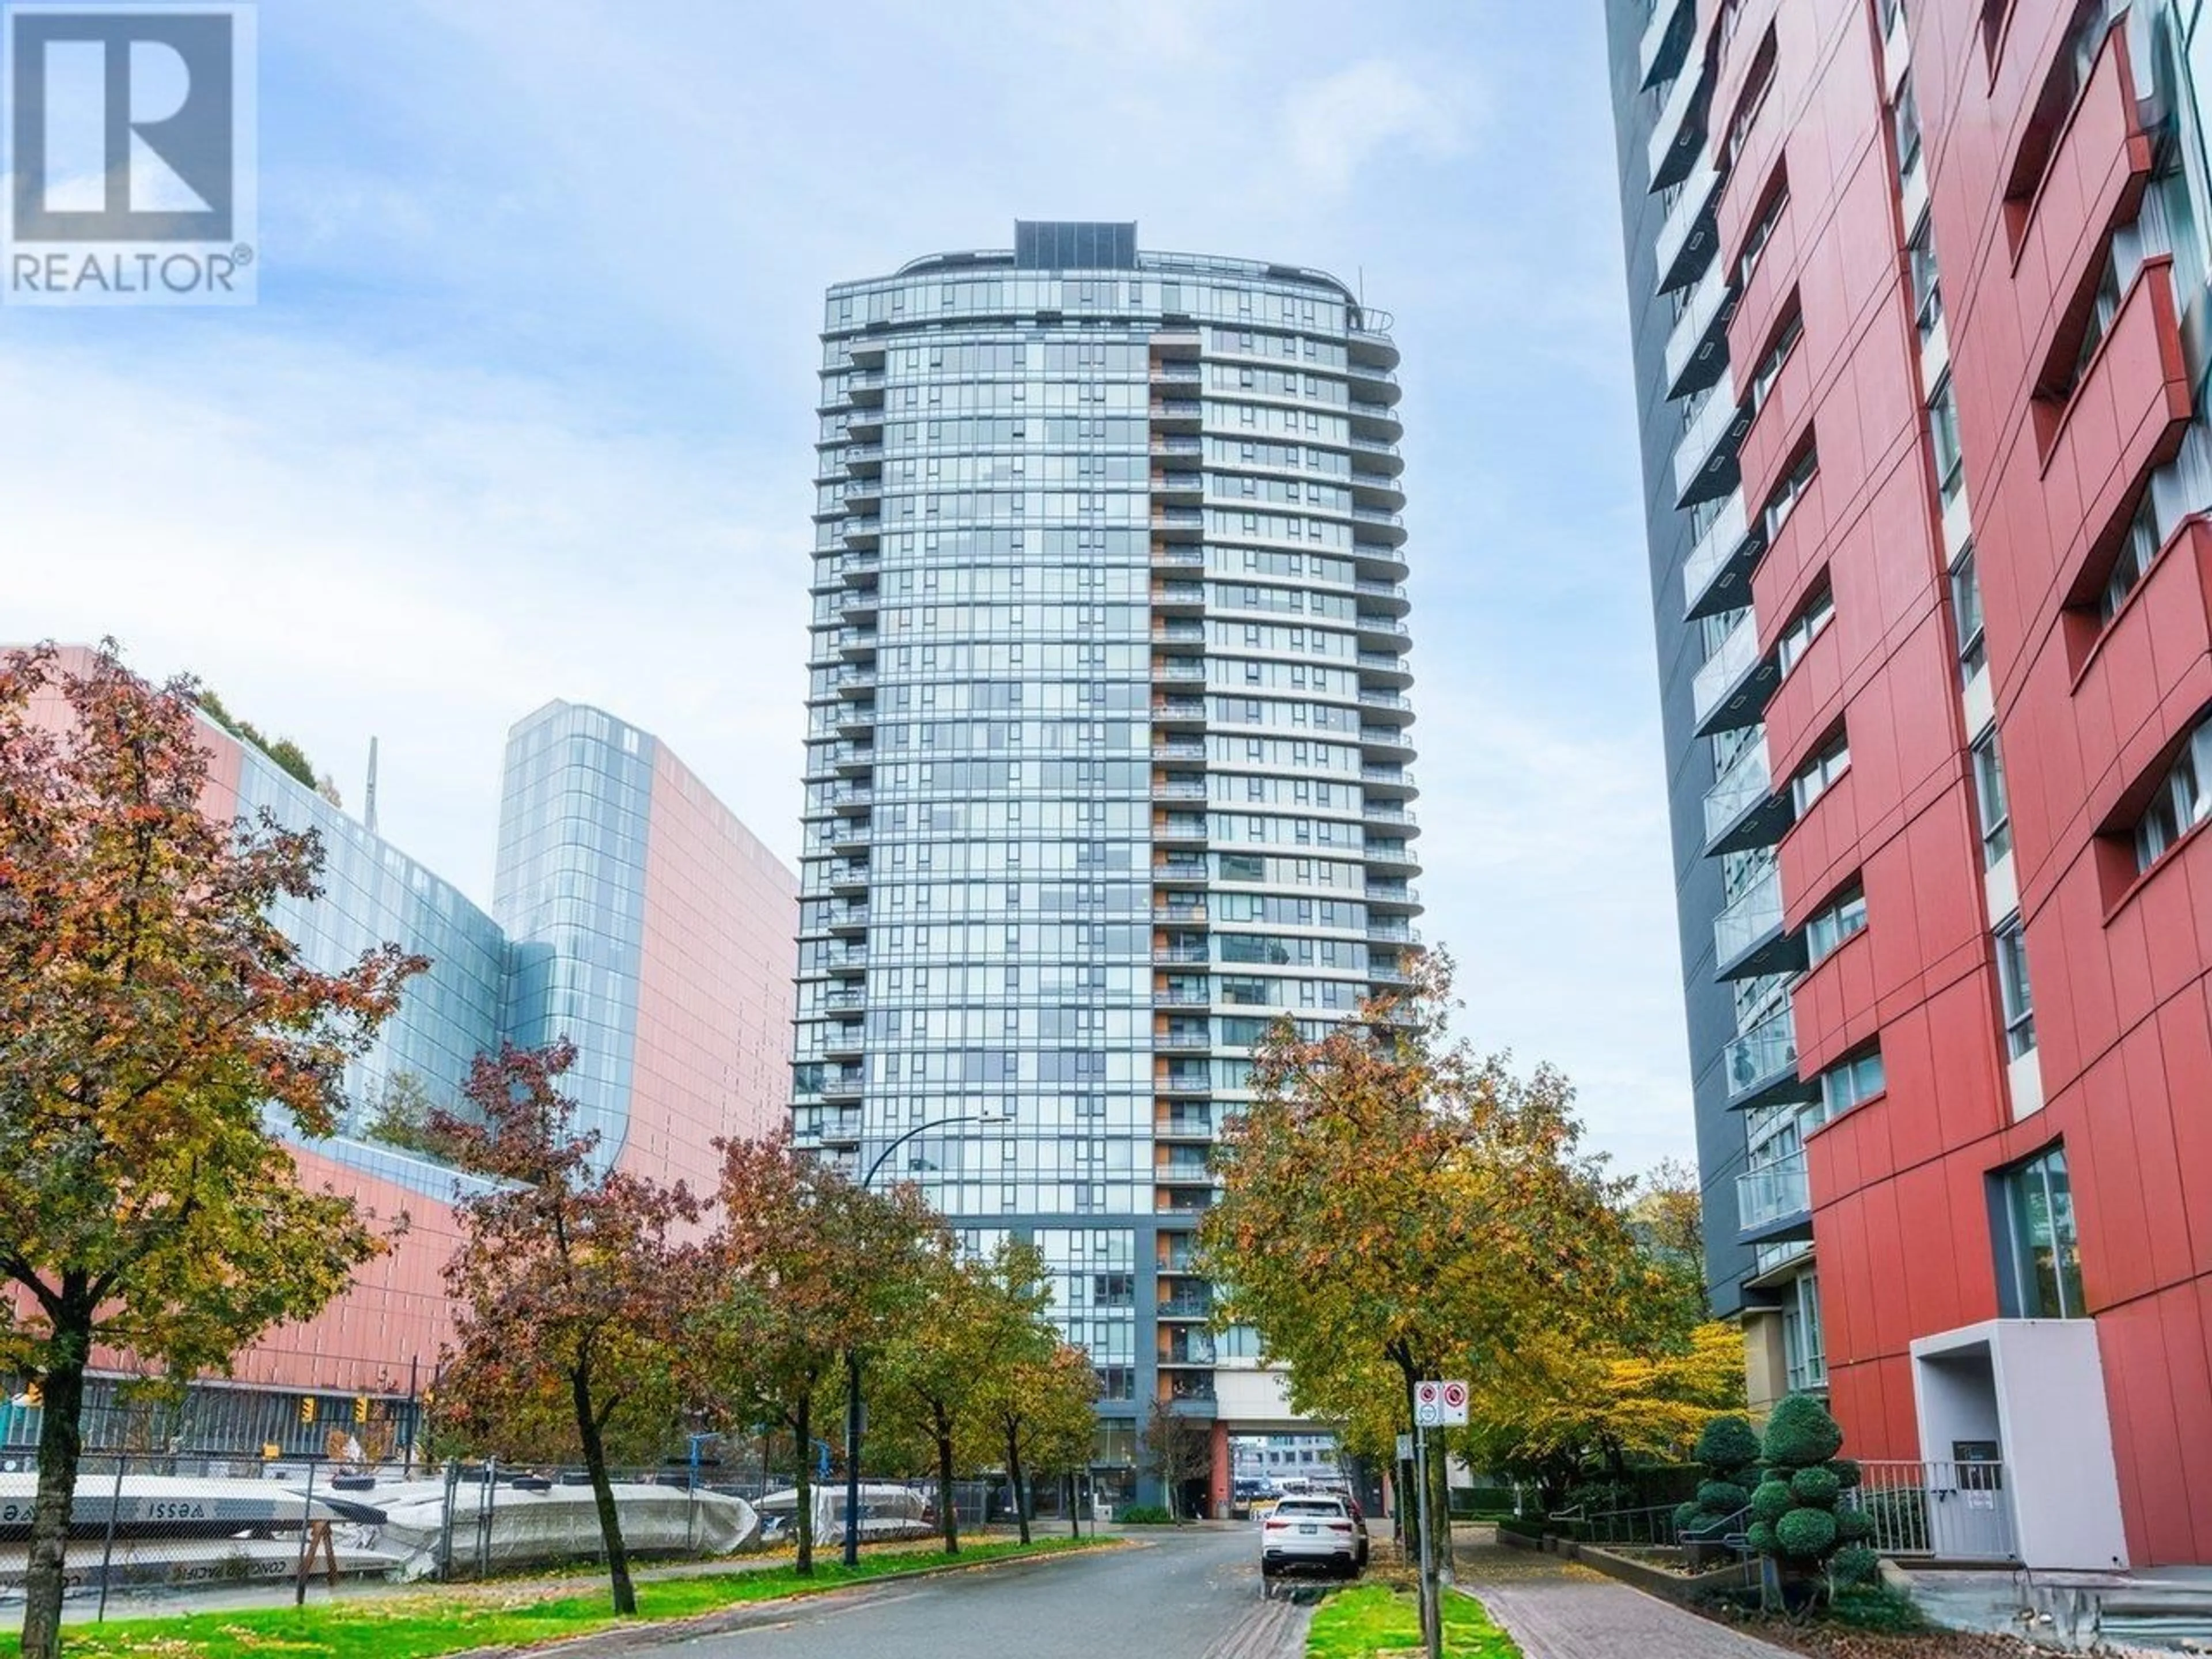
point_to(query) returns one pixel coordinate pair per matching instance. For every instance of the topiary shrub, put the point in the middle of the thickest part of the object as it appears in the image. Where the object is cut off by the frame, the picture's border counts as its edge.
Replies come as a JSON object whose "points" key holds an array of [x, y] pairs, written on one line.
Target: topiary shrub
{"points": [[1802, 1530], [1770, 1500], [1728, 1451], [1854, 1563], [1816, 1486]]}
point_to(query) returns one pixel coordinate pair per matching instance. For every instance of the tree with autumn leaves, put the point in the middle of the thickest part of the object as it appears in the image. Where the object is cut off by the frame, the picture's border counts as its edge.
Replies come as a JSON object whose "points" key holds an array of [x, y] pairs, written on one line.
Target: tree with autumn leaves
{"points": [[572, 1289], [155, 1015], [1395, 1206]]}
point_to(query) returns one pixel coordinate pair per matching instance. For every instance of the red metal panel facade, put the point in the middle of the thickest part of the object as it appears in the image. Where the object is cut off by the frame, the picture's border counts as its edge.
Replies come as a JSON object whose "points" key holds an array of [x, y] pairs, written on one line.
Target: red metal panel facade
{"points": [[2026, 192]]}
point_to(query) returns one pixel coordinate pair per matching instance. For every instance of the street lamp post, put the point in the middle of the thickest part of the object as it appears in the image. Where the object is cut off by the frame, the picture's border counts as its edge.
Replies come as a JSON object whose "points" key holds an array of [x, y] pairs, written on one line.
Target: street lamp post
{"points": [[852, 1357]]}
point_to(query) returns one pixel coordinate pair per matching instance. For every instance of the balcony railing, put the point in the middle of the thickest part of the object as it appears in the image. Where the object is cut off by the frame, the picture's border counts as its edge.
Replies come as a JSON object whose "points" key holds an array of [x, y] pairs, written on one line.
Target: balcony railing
{"points": [[1717, 551], [1698, 327], [1737, 656], [1763, 1056], [1773, 1194], [1756, 913], [1747, 782], [1708, 441], [1685, 239]]}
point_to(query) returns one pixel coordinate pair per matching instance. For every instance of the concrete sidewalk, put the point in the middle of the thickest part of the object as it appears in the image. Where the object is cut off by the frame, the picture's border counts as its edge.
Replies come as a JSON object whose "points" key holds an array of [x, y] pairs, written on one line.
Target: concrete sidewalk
{"points": [[1557, 1609]]}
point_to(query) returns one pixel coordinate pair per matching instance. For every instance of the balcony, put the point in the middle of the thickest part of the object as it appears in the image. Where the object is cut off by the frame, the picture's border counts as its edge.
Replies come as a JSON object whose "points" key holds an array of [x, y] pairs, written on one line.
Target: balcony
{"points": [[1178, 595], [1743, 809], [1178, 711], [1178, 632], [1697, 350], [1748, 939], [866, 531], [1666, 42], [1183, 996], [1177, 414], [1772, 1204], [1732, 688], [1182, 827], [1377, 421], [1187, 1307], [1716, 576], [1689, 237], [853, 919], [1170, 444], [1379, 453], [1390, 702], [1387, 780], [1176, 869], [1760, 1065], [1179, 749], [1705, 459], [1179, 523], [1678, 137], [1178, 668], [846, 1042], [1179, 789]]}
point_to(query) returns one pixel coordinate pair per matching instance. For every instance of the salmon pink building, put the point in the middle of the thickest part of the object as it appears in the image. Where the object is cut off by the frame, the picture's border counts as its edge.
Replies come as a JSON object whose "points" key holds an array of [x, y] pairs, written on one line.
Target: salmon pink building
{"points": [[1918, 292], [631, 912]]}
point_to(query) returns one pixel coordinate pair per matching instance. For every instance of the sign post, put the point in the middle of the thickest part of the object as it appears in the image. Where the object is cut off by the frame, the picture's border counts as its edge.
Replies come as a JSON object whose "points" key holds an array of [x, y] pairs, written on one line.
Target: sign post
{"points": [[1437, 1404]]}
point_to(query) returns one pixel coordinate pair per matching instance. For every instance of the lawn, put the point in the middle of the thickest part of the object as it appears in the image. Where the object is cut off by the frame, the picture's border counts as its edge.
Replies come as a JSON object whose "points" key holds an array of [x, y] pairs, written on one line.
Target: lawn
{"points": [[1355, 1623], [452, 1618]]}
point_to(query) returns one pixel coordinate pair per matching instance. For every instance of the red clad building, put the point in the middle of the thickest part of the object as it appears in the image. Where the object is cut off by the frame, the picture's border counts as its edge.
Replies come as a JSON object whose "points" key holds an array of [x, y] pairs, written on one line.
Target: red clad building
{"points": [[1920, 293], [632, 913]]}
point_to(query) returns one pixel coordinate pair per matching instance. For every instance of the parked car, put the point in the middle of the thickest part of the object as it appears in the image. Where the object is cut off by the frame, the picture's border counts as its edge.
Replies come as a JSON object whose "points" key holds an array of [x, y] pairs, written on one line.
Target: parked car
{"points": [[1310, 1532], [1359, 1526]]}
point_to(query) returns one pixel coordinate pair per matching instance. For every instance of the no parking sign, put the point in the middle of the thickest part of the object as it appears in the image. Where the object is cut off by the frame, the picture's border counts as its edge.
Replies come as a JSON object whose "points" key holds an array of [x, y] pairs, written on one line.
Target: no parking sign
{"points": [[1440, 1405]]}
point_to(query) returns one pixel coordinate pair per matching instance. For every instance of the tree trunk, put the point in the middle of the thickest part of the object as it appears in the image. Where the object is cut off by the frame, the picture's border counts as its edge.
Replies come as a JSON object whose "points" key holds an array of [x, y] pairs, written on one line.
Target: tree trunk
{"points": [[803, 1421], [1440, 1509], [603, 1491], [947, 1511], [1014, 1475], [61, 1443]]}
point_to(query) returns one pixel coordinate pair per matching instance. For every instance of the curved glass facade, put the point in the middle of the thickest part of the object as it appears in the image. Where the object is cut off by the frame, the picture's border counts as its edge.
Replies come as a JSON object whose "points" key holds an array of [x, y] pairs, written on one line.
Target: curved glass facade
{"points": [[1107, 743]]}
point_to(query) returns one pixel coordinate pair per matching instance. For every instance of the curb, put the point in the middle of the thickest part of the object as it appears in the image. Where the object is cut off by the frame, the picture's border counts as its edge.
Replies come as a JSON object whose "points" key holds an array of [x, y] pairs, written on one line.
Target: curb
{"points": [[721, 1621]]}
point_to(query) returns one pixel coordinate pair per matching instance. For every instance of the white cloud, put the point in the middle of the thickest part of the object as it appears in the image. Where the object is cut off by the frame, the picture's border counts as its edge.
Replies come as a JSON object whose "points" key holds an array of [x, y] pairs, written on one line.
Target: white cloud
{"points": [[1336, 125], [346, 547]]}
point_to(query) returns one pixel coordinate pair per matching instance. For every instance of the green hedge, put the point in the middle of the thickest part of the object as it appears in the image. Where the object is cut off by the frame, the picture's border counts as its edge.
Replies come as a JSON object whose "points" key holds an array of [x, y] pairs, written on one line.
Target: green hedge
{"points": [[1522, 1526], [1482, 1501]]}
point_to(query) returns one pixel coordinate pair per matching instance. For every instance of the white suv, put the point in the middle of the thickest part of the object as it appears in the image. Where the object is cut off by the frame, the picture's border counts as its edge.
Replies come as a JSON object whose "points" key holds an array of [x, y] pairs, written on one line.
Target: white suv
{"points": [[1310, 1531]]}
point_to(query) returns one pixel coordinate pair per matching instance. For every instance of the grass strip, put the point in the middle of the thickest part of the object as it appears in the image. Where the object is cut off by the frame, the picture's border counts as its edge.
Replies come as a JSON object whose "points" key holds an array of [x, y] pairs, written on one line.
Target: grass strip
{"points": [[1374, 1619], [455, 1618]]}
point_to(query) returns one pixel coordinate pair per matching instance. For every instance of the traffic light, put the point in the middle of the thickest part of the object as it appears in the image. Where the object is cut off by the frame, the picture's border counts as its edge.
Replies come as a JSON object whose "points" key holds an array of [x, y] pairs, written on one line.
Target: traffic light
{"points": [[307, 1408], [361, 1408]]}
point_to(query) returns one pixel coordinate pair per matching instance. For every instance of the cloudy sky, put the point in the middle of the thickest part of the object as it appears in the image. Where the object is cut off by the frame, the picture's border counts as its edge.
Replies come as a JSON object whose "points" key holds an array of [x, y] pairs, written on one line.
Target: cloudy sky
{"points": [[526, 407]]}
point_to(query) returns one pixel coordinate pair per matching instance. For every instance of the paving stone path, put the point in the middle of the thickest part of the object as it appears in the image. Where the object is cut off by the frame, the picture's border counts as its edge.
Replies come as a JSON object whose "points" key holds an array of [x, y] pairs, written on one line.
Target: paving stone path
{"points": [[1557, 1609]]}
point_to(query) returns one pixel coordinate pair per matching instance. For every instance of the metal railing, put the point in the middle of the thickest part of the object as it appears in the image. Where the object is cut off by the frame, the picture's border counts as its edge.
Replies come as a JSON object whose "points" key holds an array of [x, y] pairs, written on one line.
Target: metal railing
{"points": [[1954, 1510]]}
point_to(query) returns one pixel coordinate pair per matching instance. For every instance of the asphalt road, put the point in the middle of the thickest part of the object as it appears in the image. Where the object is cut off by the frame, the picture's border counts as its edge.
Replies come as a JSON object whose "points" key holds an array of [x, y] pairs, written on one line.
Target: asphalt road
{"points": [[1189, 1595]]}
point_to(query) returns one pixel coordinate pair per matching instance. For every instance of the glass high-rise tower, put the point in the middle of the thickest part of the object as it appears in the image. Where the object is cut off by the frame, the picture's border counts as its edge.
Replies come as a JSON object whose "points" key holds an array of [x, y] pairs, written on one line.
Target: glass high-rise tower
{"points": [[1107, 751]]}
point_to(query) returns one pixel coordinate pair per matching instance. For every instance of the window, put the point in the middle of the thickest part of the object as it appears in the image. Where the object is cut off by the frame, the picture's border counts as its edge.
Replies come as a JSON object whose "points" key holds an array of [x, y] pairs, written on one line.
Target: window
{"points": [[2181, 802], [1835, 922], [1907, 114], [1755, 243], [2104, 306], [1803, 1347], [1966, 609], [1798, 637], [1943, 434], [2138, 547], [1824, 769], [1851, 1083], [2039, 1255], [1927, 296], [1770, 367], [2018, 1005], [1787, 494], [1990, 803]]}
